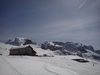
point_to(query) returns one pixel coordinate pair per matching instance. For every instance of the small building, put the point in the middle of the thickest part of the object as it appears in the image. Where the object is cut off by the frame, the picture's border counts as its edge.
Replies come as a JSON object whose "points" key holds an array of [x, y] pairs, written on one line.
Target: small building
{"points": [[28, 50]]}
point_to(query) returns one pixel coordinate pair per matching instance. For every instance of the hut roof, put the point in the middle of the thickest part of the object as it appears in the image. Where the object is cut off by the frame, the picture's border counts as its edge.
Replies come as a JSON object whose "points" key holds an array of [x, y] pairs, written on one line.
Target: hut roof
{"points": [[19, 47]]}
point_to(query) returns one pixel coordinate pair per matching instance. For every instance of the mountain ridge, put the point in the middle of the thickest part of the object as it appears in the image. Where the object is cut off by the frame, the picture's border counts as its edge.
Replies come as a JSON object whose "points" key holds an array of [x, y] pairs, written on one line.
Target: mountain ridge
{"points": [[71, 48], [61, 48]]}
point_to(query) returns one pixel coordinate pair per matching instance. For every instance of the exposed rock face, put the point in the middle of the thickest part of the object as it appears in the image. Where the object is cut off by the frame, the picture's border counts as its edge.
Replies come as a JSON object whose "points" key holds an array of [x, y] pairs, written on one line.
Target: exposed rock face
{"points": [[97, 51], [68, 48], [27, 41], [52, 45]]}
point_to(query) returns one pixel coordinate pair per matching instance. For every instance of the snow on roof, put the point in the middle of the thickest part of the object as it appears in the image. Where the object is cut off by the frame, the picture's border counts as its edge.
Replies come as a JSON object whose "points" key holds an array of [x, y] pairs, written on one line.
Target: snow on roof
{"points": [[36, 48], [23, 46]]}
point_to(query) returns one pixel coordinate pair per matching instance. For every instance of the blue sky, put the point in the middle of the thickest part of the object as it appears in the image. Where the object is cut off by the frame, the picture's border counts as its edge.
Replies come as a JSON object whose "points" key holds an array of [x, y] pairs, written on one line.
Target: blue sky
{"points": [[52, 20]]}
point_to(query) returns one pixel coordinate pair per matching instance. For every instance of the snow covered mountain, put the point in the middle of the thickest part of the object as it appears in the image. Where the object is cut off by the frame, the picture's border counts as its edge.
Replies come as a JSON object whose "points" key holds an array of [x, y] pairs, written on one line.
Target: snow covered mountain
{"points": [[71, 48], [60, 48], [18, 41]]}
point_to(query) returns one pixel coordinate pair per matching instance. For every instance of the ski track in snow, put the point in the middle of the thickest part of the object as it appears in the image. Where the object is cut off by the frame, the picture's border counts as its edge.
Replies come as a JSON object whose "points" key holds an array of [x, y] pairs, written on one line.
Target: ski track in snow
{"points": [[53, 68], [50, 71], [66, 63], [16, 65], [27, 65], [12, 67], [59, 71], [7, 67]]}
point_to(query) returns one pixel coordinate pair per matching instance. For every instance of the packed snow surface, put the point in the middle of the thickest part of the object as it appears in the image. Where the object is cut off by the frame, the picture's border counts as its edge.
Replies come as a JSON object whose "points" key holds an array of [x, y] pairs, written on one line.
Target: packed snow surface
{"points": [[58, 65]]}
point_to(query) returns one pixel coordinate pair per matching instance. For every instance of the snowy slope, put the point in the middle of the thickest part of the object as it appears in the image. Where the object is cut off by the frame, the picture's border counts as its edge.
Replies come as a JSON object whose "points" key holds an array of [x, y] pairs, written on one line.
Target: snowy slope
{"points": [[4, 48], [58, 65]]}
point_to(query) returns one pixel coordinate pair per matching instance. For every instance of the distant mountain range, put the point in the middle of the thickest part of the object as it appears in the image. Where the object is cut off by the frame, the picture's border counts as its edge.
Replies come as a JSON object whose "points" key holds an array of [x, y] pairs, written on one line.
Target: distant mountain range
{"points": [[61, 48], [19, 41], [71, 48]]}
